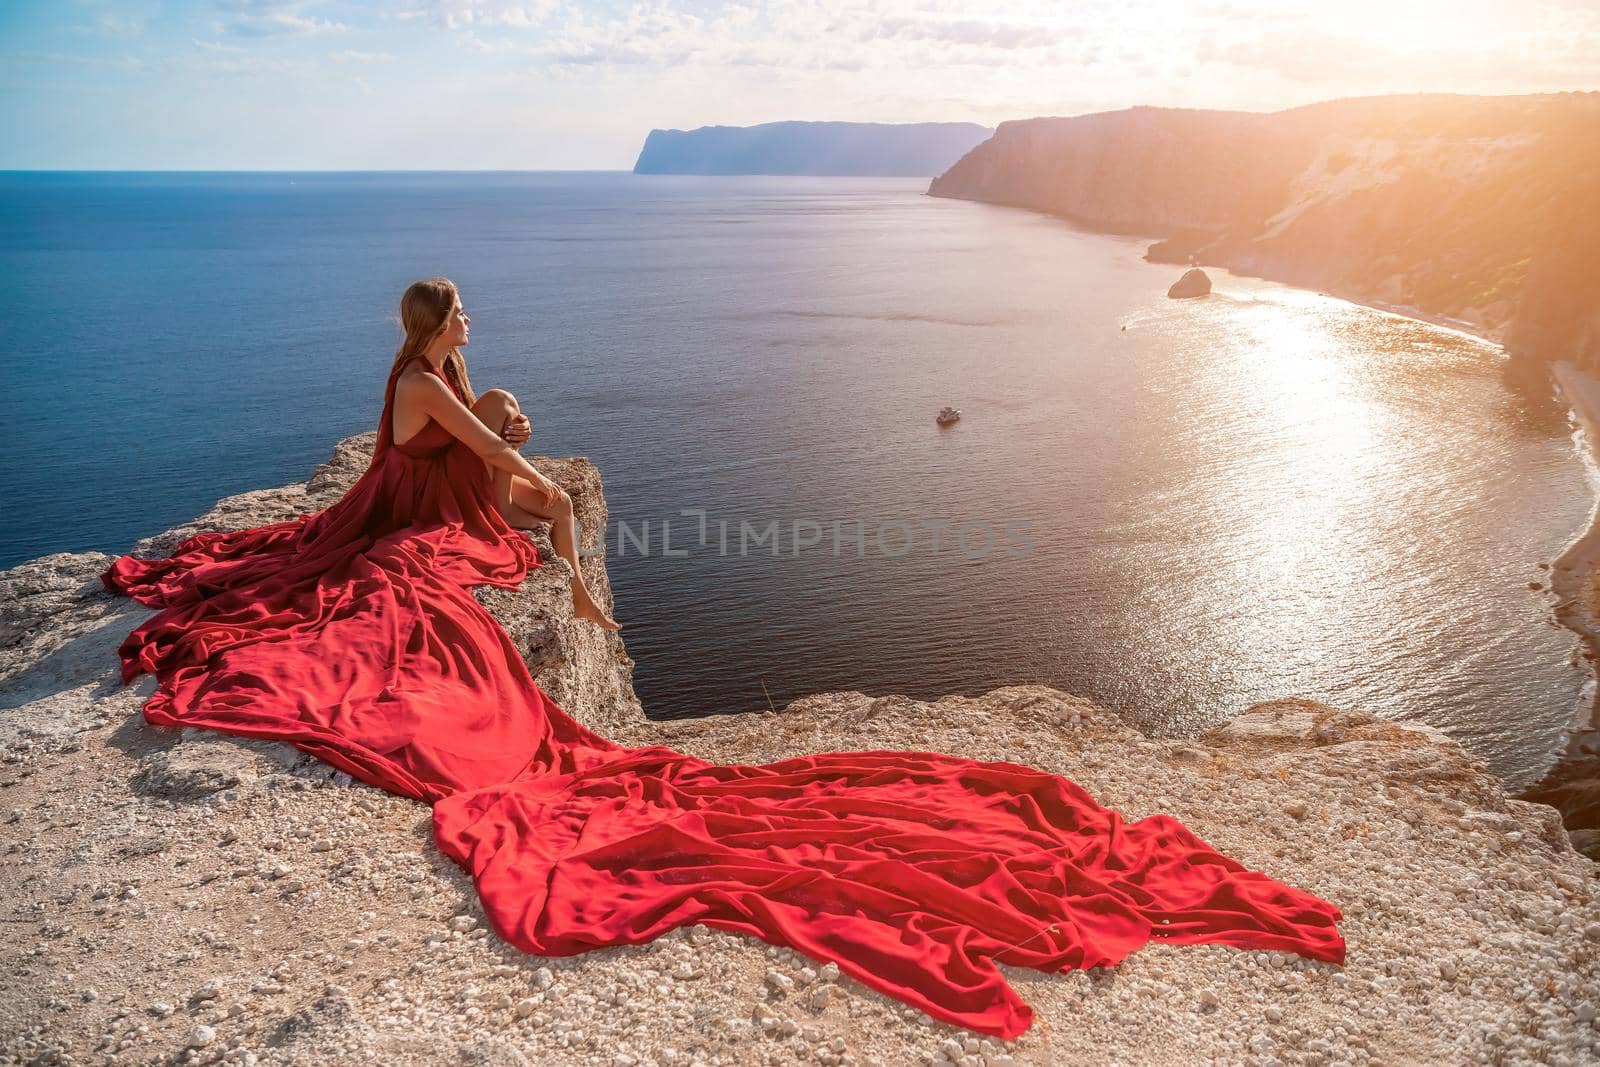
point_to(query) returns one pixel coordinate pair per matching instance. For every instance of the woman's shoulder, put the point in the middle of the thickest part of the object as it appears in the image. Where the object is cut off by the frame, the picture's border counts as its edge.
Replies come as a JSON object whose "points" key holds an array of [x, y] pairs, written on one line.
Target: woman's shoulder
{"points": [[415, 374]]}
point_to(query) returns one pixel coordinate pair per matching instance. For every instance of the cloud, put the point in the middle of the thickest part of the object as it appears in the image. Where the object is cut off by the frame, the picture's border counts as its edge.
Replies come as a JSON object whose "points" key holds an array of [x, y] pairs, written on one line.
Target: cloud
{"points": [[269, 18], [280, 22], [353, 55], [73, 59], [1314, 56], [787, 37], [967, 31], [120, 25], [465, 14]]}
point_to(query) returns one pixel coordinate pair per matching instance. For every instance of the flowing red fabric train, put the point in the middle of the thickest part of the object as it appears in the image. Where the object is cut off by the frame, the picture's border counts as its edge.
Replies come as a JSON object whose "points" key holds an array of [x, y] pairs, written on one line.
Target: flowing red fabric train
{"points": [[353, 634]]}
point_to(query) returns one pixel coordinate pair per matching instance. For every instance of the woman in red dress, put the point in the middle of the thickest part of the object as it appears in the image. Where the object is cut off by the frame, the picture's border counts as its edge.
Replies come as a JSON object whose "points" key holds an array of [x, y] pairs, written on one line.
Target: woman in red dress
{"points": [[433, 390], [354, 635]]}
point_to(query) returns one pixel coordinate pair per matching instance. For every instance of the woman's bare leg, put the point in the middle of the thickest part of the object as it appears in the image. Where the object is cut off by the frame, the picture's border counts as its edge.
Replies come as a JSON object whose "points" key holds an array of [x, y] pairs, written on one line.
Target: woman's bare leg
{"points": [[564, 537], [524, 508], [495, 409]]}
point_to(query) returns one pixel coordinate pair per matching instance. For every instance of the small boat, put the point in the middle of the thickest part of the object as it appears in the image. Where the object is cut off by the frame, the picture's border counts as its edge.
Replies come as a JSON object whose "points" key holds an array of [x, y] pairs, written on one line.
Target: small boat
{"points": [[947, 415]]}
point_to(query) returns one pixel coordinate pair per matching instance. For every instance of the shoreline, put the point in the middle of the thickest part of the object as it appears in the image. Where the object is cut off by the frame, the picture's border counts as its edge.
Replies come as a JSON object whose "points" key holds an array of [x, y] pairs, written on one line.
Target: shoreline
{"points": [[1568, 784], [1479, 331], [1148, 239], [1494, 336], [1575, 574]]}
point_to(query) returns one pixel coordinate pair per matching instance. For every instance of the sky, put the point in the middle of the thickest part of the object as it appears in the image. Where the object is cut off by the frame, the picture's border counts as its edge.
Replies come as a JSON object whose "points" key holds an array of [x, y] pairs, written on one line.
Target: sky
{"points": [[551, 84]]}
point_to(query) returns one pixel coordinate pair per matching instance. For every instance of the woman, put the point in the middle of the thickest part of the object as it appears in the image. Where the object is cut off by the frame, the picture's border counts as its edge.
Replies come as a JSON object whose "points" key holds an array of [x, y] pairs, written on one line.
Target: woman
{"points": [[353, 634], [433, 388]]}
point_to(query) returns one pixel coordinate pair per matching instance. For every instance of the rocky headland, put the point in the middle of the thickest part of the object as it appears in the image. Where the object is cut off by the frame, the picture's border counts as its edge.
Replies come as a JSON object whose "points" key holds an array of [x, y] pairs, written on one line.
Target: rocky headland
{"points": [[860, 149], [188, 897], [1474, 211]]}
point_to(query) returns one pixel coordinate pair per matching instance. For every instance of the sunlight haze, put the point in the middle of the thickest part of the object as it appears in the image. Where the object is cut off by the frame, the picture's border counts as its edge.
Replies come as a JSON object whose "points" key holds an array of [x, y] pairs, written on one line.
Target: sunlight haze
{"points": [[480, 84]]}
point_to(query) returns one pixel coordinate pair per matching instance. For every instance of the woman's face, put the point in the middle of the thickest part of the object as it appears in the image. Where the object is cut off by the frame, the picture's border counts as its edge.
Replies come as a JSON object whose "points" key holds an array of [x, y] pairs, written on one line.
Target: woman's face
{"points": [[454, 331]]}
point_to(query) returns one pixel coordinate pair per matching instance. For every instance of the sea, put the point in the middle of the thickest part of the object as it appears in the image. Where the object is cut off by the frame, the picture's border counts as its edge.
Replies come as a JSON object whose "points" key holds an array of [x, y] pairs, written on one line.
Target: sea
{"points": [[1175, 508]]}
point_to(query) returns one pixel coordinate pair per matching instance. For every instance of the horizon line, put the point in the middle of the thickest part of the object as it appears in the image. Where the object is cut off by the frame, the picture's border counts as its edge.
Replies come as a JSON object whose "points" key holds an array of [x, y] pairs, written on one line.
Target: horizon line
{"points": [[331, 170], [416, 170]]}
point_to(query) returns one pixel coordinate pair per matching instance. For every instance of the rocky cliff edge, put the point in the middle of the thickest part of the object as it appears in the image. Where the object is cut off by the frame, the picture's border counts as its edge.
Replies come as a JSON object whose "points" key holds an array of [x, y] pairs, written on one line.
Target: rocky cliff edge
{"points": [[187, 897]]}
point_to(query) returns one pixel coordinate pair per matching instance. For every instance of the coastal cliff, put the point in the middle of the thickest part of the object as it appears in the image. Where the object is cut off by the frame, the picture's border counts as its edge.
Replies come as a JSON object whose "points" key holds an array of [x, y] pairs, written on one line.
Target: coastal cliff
{"points": [[185, 896], [913, 150], [1482, 210]]}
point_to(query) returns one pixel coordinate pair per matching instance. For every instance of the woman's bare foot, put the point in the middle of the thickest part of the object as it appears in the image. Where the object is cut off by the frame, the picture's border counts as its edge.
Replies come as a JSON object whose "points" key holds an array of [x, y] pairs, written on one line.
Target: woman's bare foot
{"points": [[584, 607]]}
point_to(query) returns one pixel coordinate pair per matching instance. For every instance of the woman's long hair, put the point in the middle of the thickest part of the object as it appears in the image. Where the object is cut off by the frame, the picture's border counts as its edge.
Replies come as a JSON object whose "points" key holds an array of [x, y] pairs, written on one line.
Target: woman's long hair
{"points": [[423, 310]]}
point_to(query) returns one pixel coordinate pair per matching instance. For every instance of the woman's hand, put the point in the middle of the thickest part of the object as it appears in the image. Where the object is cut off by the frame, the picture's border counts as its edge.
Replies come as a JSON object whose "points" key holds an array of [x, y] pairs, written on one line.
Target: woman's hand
{"points": [[550, 489], [517, 430]]}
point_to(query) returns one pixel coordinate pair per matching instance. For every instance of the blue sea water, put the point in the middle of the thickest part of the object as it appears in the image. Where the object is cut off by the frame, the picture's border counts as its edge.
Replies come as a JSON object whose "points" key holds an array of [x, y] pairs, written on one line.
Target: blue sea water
{"points": [[1176, 508]]}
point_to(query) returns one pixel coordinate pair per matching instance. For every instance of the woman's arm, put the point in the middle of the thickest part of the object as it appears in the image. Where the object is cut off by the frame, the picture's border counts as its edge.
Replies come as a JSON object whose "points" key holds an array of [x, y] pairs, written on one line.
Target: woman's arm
{"points": [[436, 399]]}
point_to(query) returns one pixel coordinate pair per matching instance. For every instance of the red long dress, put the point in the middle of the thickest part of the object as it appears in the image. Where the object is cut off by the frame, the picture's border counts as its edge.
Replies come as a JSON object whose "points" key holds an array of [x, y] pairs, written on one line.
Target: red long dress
{"points": [[352, 634]]}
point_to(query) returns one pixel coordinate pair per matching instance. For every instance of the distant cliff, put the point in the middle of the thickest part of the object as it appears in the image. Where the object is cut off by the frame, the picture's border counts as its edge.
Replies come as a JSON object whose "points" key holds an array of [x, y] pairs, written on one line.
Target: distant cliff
{"points": [[914, 150], [1479, 208]]}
